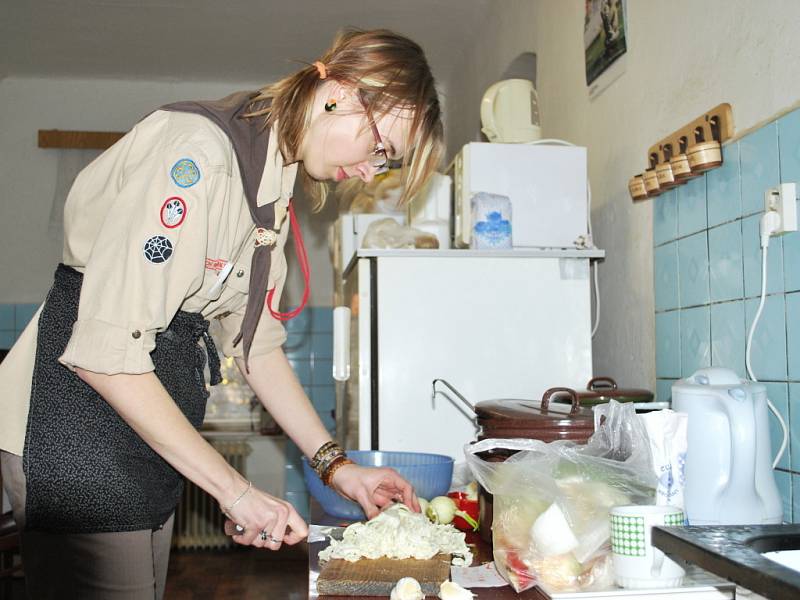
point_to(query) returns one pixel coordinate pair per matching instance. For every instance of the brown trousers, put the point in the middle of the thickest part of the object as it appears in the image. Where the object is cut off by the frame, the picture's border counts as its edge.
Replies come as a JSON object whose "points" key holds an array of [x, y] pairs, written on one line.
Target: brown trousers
{"points": [[127, 565]]}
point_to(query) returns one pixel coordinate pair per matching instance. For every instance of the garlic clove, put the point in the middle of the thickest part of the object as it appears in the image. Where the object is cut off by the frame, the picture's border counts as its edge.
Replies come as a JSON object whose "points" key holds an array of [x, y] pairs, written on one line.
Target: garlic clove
{"points": [[407, 588], [450, 590]]}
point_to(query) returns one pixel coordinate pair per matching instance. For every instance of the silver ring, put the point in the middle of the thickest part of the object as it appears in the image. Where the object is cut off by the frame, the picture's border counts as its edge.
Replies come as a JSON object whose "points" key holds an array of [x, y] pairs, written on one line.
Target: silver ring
{"points": [[267, 537]]}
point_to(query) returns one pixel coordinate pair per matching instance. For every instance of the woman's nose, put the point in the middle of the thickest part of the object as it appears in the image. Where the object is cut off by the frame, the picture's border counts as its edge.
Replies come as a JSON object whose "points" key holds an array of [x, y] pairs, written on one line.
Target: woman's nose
{"points": [[366, 171]]}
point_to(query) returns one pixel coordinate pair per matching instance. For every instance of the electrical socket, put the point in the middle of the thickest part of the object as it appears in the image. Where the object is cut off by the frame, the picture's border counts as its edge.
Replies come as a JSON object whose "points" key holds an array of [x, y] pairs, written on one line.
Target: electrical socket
{"points": [[783, 200]]}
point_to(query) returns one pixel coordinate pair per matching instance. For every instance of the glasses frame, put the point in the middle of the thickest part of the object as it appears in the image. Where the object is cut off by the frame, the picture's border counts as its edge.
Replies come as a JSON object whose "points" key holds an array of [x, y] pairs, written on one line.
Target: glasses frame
{"points": [[380, 158]]}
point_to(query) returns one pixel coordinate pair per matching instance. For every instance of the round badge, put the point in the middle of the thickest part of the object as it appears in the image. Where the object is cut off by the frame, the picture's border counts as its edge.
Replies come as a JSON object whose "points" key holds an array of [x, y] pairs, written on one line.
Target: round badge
{"points": [[158, 249], [185, 173], [173, 212]]}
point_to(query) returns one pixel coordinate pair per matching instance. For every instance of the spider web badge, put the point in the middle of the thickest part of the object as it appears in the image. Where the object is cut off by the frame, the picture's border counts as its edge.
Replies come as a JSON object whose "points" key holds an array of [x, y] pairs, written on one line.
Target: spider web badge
{"points": [[158, 249]]}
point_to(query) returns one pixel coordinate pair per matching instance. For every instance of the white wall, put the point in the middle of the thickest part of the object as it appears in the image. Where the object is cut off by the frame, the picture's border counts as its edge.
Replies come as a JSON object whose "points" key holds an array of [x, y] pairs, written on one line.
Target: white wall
{"points": [[685, 56], [28, 174]]}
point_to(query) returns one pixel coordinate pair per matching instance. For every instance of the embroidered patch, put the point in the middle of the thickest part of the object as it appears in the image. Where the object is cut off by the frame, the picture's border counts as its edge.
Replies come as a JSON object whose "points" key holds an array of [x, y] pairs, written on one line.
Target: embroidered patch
{"points": [[173, 212], [185, 173], [216, 264], [158, 249]]}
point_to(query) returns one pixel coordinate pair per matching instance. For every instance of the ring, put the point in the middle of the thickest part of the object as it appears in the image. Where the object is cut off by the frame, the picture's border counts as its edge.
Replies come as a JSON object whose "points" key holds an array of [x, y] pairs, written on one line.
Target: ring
{"points": [[267, 537]]}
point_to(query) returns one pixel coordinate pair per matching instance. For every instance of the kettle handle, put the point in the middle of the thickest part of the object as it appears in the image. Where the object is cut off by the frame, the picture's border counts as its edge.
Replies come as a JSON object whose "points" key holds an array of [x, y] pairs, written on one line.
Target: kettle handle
{"points": [[741, 423], [576, 401], [489, 128]]}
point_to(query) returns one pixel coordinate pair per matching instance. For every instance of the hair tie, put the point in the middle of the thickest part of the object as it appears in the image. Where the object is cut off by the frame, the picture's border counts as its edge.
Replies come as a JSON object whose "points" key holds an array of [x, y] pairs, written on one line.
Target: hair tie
{"points": [[323, 72]]}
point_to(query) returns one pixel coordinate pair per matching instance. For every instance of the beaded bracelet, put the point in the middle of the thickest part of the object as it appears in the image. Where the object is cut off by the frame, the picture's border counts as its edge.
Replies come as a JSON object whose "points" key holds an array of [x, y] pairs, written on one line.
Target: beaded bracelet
{"points": [[226, 510], [325, 456], [319, 454], [338, 463]]}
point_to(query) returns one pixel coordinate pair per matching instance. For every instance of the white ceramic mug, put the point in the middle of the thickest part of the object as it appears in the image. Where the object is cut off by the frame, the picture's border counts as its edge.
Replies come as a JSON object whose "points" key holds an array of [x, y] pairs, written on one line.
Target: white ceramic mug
{"points": [[637, 564]]}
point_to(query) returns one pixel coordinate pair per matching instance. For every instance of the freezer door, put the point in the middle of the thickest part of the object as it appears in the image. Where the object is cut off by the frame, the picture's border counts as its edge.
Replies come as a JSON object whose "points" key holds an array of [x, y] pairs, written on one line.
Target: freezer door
{"points": [[492, 327]]}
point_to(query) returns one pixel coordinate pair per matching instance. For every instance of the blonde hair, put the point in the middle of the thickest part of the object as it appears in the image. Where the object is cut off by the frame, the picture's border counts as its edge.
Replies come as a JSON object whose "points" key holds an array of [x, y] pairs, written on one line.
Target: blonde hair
{"points": [[391, 72]]}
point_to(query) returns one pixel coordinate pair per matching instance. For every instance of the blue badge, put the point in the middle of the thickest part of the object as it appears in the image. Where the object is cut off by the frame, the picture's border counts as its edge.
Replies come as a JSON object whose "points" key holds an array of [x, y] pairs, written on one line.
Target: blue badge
{"points": [[185, 173], [158, 249]]}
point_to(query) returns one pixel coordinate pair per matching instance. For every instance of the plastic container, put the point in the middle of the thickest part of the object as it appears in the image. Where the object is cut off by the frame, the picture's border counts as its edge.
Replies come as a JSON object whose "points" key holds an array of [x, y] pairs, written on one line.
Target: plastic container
{"points": [[430, 474]]}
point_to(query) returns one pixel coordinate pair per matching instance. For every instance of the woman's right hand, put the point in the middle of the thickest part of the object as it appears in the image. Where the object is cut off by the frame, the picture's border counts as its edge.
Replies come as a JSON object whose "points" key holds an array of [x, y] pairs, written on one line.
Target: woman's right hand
{"points": [[259, 512]]}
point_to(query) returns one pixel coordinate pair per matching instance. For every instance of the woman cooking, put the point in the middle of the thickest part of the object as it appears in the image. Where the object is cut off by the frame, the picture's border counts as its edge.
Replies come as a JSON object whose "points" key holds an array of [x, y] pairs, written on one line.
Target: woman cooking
{"points": [[183, 221]]}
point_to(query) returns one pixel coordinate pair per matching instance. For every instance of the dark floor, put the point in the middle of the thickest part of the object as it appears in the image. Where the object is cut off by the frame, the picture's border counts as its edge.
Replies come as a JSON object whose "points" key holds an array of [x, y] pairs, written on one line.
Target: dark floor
{"points": [[239, 573]]}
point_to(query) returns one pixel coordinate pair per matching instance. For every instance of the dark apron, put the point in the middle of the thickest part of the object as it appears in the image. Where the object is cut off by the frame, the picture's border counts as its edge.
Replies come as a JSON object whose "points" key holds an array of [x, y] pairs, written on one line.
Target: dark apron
{"points": [[87, 471]]}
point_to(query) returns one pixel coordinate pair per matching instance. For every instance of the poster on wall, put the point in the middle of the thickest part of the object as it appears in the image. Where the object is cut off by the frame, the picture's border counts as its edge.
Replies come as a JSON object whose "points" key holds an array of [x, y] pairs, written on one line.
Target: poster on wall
{"points": [[605, 42]]}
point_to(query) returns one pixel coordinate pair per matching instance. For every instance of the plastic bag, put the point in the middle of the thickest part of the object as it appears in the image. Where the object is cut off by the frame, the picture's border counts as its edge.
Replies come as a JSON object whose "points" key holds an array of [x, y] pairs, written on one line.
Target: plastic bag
{"points": [[388, 233], [552, 500]]}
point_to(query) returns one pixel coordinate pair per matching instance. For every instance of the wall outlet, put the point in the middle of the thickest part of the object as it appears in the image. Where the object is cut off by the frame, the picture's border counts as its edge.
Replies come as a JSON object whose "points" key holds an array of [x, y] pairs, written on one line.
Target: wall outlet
{"points": [[783, 200]]}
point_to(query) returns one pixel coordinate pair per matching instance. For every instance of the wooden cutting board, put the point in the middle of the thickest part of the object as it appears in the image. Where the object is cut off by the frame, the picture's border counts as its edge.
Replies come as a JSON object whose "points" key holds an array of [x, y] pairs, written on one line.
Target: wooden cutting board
{"points": [[378, 576]]}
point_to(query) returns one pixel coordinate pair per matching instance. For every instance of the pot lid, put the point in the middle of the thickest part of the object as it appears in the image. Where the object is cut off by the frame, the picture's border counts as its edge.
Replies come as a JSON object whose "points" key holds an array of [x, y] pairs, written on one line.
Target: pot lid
{"points": [[600, 390], [526, 415]]}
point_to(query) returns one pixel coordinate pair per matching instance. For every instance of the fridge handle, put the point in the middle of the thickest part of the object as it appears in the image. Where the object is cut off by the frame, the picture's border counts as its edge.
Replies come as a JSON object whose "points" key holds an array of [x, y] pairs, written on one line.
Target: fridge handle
{"points": [[341, 343]]}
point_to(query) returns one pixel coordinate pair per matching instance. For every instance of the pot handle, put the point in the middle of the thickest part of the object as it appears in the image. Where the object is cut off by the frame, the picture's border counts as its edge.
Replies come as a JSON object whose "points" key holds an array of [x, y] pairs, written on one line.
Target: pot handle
{"points": [[576, 401], [592, 385]]}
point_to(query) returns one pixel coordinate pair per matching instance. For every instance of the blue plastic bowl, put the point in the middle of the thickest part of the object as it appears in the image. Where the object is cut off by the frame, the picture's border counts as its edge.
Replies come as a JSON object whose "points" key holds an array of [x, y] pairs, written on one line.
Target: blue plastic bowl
{"points": [[430, 474]]}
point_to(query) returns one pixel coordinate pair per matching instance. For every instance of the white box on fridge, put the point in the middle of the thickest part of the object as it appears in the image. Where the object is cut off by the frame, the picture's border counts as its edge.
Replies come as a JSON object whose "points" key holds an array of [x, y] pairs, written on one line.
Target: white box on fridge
{"points": [[546, 185]]}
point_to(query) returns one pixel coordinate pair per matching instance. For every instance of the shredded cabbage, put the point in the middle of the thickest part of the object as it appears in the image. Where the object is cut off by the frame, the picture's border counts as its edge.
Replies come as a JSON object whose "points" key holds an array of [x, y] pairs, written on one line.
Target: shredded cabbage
{"points": [[399, 533]]}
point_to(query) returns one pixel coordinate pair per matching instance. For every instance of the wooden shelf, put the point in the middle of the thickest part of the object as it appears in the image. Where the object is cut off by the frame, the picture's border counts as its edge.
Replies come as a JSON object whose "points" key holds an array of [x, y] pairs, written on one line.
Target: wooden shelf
{"points": [[79, 140]]}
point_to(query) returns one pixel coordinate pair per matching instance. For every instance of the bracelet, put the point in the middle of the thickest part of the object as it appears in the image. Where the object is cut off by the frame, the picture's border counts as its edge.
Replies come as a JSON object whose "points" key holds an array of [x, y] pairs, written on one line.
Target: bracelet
{"points": [[325, 456], [338, 463], [226, 510], [324, 450]]}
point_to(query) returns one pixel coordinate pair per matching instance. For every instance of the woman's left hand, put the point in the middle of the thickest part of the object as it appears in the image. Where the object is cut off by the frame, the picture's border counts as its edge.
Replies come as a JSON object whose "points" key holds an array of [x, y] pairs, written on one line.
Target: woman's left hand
{"points": [[374, 488]]}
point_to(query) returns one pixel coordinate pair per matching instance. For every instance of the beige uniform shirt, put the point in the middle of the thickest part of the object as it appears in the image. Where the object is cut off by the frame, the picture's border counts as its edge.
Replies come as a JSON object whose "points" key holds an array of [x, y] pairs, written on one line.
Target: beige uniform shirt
{"points": [[151, 224]]}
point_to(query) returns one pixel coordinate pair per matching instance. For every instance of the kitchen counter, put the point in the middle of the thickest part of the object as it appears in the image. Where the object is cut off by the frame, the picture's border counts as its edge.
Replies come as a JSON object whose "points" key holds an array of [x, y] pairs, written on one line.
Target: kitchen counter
{"points": [[734, 552]]}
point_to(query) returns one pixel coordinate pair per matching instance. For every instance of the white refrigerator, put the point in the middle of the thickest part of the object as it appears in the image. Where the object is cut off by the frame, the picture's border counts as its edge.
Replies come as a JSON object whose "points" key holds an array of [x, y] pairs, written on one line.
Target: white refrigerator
{"points": [[493, 324]]}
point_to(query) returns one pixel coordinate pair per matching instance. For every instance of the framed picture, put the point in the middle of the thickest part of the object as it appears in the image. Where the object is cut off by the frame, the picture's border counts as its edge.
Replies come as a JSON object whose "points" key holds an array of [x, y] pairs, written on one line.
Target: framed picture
{"points": [[605, 42]]}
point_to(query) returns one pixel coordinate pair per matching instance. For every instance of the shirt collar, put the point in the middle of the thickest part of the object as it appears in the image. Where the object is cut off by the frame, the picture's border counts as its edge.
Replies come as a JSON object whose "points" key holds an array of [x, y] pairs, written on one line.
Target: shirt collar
{"points": [[277, 180]]}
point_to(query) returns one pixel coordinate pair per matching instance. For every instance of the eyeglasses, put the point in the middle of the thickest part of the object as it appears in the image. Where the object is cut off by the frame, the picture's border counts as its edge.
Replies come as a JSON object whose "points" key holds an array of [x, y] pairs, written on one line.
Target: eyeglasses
{"points": [[378, 157]]}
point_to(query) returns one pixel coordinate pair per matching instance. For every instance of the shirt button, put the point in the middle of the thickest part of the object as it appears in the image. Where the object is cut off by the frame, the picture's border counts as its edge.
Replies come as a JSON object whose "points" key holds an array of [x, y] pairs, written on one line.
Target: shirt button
{"points": [[136, 334], [240, 273]]}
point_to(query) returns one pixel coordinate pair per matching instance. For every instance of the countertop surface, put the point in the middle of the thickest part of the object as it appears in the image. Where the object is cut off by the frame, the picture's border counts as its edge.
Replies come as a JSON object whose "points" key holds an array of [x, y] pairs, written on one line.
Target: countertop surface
{"points": [[734, 552]]}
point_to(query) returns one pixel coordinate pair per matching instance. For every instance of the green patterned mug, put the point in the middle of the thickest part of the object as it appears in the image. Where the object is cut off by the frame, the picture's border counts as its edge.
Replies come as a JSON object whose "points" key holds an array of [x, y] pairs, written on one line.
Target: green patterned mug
{"points": [[637, 565]]}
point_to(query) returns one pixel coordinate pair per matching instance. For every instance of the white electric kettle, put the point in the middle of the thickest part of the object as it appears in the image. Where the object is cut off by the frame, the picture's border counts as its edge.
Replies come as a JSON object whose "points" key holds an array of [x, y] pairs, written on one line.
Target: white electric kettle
{"points": [[729, 478], [510, 112]]}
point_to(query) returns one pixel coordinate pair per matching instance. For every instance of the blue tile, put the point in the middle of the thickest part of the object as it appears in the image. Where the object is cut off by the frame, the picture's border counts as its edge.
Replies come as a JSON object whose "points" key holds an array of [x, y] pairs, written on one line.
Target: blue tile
{"points": [[784, 481], [795, 498], [664, 390], [794, 428], [302, 369], [793, 337], [297, 345], [300, 502], [758, 154], [322, 373], [665, 217], [695, 339], [693, 269], [294, 479], [789, 146], [778, 393], [293, 454], [328, 421], [7, 339], [726, 272], [23, 314], [322, 345], [752, 259], [768, 354], [791, 258], [668, 344], [666, 276], [301, 322], [692, 206], [323, 397], [7, 316], [322, 319], [728, 336], [723, 188]]}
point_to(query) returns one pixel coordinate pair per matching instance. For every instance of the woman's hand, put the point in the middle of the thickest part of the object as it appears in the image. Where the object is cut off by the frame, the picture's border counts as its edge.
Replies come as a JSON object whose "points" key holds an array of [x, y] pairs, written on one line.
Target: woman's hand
{"points": [[374, 488], [259, 512]]}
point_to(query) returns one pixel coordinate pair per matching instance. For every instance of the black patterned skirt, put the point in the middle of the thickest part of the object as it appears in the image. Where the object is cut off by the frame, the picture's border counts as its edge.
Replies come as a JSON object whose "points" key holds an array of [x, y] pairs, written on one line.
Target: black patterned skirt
{"points": [[87, 471]]}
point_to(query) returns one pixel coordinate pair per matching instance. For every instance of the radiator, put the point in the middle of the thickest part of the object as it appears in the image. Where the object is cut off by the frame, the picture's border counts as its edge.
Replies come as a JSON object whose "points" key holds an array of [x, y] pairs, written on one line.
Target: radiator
{"points": [[198, 519]]}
